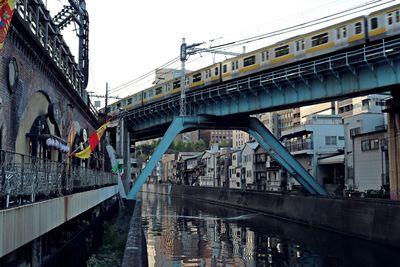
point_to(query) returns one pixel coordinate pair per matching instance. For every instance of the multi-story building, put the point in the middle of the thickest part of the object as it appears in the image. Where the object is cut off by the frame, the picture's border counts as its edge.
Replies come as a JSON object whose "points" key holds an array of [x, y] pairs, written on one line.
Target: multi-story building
{"points": [[319, 137], [248, 164], [224, 160], [209, 164], [361, 115], [239, 138], [275, 175], [260, 159], [216, 136], [371, 164], [235, 173]]}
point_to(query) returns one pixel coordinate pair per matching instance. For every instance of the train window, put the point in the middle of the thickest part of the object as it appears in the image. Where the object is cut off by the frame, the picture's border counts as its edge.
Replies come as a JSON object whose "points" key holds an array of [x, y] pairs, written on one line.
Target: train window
{"points": [[216, 71], [187, 80], [249, 61], [264, 56], [397, 16], [197, 77], [300, 45], [389, 18], [176, 84], [319, 39], [344, 31], [129, 101], [357, 28], [374, 23], [281, 51], [237, 64], [224, 68], [233, 65], [338, 33], [158, 90], [168, 87], [118, 105]]}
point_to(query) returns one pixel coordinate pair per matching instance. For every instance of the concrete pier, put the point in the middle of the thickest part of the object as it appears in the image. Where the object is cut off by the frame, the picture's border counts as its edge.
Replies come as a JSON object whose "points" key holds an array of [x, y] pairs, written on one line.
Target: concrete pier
{"points": [[394, 144]]}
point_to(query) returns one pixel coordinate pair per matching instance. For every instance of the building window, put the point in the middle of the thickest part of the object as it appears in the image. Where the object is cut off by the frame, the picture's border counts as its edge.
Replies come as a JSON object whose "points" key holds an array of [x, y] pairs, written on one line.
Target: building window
{"points": [[355, 131], [341, 138], [374, 23], [330, 140], [370, 144], [248, 173]]}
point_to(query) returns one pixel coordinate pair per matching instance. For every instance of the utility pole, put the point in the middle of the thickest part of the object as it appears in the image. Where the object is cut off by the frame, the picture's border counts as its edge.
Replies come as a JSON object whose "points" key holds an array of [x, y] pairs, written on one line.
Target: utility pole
{"points": [[183, 57], [186, 50]]}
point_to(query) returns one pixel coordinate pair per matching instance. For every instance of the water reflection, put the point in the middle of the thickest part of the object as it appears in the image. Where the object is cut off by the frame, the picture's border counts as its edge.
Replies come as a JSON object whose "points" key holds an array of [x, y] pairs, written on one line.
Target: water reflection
{"points": [[188, 233]]}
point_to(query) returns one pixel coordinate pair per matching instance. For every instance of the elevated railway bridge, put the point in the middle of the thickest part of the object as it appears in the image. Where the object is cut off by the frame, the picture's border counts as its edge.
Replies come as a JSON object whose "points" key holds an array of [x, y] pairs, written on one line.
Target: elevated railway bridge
{"points": [[370, 68]]}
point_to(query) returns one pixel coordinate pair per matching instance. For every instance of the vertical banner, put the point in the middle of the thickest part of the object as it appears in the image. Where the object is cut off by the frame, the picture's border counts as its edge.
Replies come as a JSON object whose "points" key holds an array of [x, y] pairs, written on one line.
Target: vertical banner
{"points": [[6, 13]]}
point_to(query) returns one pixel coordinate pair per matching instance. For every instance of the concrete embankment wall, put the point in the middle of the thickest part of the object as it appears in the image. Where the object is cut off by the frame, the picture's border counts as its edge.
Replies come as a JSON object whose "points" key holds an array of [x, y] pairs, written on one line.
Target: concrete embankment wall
{"points": [[371, 219]]}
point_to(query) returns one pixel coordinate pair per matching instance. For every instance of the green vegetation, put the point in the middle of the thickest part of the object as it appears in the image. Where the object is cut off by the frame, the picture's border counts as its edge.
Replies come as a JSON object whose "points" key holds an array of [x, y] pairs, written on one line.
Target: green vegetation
{"points": [[111, 252]]}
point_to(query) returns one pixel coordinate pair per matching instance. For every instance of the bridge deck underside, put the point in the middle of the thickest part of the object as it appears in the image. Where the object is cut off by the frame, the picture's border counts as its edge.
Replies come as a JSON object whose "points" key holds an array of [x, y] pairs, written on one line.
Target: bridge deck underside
{"points": [[372, 68]]}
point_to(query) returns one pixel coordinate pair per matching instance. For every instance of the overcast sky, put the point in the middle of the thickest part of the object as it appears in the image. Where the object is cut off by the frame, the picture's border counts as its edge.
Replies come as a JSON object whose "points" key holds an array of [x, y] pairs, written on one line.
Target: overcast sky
{"points": [[130, 38]]}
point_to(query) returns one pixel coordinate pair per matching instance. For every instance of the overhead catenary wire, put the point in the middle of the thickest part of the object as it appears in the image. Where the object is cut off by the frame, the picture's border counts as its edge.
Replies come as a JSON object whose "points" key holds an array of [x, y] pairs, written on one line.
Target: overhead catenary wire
{"points": [[350, 11], [141, 77], [307, 24]]}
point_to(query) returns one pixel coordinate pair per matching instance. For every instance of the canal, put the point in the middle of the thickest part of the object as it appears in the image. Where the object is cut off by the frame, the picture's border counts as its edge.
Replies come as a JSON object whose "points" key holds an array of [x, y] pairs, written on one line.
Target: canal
{"points": [[182, 232]]}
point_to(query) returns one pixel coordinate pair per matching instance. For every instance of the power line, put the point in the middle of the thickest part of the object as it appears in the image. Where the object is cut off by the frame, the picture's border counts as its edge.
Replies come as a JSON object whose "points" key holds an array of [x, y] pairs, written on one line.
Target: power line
{"points": [[302, 25], [124, 85], [347, 12]]}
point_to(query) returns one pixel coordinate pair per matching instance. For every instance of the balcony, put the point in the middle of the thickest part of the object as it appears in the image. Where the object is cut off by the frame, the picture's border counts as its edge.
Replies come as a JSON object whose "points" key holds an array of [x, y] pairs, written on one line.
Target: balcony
{"points": [[299, 146]]}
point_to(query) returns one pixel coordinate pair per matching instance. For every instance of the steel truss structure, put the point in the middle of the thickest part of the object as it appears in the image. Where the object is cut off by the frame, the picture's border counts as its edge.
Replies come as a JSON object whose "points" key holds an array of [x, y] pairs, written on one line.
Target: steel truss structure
{"points": [[373, 67], [35, 17], [248, 124]]}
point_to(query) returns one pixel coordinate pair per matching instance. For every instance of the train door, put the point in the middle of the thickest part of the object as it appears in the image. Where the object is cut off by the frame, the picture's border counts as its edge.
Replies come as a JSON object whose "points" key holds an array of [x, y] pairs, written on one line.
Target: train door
{"points": [[299, 47], [341, 35], [392, 21]]}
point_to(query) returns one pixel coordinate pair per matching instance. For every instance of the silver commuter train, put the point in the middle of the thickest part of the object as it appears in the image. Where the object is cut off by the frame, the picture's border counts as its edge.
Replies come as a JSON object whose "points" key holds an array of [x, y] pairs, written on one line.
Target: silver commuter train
{"points": [[353, 32]]}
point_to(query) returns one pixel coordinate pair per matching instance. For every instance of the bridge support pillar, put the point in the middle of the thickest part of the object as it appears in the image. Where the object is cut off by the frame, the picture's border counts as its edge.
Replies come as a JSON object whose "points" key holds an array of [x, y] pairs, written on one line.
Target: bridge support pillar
{"points": [[126, 155], [394, 145], [248, 124]]}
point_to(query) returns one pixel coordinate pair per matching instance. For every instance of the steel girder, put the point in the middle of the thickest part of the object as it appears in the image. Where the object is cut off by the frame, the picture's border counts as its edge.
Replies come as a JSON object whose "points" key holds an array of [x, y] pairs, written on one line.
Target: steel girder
{"points": [[249, 124]]}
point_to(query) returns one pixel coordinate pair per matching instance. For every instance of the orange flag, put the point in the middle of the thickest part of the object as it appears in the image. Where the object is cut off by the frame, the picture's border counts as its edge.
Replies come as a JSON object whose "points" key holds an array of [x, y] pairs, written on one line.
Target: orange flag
{"points": [[94, 140]]}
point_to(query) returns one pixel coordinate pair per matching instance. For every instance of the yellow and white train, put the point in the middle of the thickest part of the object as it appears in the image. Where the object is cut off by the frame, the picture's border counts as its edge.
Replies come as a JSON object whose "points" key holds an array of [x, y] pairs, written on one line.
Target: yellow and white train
{"points": [[354, 32]]}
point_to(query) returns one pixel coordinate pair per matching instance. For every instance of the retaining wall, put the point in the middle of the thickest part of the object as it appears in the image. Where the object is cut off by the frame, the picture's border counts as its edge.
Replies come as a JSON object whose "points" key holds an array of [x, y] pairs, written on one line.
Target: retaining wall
{"points": [[371, 219]]}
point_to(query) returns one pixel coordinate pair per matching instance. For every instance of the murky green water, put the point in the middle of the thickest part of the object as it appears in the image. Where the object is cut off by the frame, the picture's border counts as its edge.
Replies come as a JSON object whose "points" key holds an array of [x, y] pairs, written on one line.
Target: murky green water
{"points": [[189, 233]]}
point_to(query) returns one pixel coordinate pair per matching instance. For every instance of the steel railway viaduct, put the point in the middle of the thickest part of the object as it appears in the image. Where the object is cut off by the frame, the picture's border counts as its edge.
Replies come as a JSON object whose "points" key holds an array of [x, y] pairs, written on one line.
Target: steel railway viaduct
{"points": [[371, 68]]}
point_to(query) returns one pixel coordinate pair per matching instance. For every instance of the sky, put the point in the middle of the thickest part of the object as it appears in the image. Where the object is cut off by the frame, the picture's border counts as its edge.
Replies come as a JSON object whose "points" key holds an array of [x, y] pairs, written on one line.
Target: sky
{"points": [[130, 38]]}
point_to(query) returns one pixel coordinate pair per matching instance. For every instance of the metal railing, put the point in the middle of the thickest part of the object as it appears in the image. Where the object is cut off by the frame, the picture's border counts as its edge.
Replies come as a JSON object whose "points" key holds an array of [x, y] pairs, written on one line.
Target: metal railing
{"points": [[300, 73], [25, 179]]}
